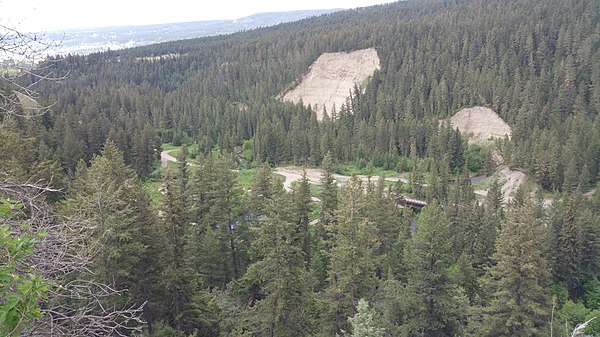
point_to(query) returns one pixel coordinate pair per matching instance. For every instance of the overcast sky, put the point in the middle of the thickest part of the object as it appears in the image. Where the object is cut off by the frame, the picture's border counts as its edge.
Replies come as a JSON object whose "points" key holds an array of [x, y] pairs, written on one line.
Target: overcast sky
{"points": [[49, 15]]}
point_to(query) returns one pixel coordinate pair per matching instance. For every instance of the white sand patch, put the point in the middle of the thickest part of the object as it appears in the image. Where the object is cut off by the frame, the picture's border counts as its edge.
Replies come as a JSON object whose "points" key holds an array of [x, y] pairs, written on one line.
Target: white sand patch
{"points": [[480, 124], [511, 181], [332, 77]]}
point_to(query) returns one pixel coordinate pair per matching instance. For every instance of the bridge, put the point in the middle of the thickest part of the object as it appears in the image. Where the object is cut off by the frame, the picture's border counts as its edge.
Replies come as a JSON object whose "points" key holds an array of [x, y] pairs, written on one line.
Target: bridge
{"points": [[415, 204]]}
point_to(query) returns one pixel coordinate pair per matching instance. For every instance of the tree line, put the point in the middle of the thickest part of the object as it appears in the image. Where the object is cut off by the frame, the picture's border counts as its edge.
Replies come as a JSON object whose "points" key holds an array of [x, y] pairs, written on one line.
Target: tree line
{"points": [[537, 71]]}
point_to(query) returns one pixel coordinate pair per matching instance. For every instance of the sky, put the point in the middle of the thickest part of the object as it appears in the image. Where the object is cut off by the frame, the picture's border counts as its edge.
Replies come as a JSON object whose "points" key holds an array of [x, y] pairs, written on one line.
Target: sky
{"points": [[51, 15]]}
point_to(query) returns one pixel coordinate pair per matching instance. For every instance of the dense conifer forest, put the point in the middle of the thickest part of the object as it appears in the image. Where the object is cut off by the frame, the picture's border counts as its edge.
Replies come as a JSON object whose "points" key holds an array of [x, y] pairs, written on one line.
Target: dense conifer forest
{"points": [[101, 240]]}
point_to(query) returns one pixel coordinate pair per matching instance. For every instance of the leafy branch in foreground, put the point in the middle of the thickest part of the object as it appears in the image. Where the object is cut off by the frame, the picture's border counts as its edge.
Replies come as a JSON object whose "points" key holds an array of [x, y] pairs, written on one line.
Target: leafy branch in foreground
{"points": [[21, 287], [75, 304]]}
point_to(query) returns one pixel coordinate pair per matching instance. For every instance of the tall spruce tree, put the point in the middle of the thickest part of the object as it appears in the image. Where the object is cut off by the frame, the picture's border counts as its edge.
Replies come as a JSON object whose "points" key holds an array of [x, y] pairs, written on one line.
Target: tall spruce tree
{"points": [[517, 285], [109, 197], [329, 202], [353, 259], [569, 249], [280, 272], [186, 307], [433, 304], [302, 202]]}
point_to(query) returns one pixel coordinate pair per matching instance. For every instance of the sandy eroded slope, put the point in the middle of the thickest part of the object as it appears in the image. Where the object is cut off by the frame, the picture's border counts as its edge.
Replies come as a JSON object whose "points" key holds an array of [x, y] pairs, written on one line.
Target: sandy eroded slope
{"points": [[330, 79], [480, 124]]}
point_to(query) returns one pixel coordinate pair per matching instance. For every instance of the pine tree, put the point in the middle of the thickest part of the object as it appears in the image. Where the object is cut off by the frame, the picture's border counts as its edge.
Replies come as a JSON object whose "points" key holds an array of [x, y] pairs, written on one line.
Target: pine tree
{"points": [[302, 201], [261, 190], [223, 216], [186, 306], [568, 252], [329, 202], [382, 211], [352, 257], [484, 243], [329, 194], [364, 322], [178, 276], [110, 199], [518, 283], [433, 300], [216, 205], [281, 274]]}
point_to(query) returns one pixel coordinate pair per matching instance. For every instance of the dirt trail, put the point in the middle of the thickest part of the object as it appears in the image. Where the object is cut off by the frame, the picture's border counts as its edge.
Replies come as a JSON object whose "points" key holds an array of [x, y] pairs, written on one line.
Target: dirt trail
{"points": [[332, 77], [165, 158], [294, 173]]}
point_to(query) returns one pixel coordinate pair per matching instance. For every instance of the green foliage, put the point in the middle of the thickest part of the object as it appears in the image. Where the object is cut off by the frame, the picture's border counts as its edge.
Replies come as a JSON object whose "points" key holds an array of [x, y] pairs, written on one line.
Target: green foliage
{"points": [[108, 200], [476, 158], [364, 323], [352, 257], [569, 246], [21, 288], [517, 284], [248, 150], [534, 62], [571, 314], [433, 307], [592, 296], [593, 328], [365, 170], [280, 270]]}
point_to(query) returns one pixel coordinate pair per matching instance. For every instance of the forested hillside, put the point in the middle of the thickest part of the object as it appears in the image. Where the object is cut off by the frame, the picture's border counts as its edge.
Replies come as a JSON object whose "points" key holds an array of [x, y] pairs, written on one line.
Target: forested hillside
{"points": [[213, 245]]}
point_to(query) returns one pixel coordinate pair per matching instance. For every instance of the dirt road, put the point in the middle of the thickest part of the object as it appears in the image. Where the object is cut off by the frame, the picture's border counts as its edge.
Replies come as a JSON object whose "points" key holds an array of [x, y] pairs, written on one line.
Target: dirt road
{"points": [[294, 173], [165, 158]]}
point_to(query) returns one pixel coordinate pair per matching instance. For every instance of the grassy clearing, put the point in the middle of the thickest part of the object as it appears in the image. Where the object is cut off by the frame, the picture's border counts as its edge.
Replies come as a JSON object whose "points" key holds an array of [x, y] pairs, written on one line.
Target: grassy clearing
{"points": [[168, 147], [316, 190], [152, 186], [244, 178], [278, 176], [350, 169], [176, 150]]}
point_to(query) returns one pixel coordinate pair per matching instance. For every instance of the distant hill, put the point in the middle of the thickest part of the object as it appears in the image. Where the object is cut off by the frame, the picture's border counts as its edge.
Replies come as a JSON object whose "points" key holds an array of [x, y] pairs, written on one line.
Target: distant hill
{"points": [[90, 40]]}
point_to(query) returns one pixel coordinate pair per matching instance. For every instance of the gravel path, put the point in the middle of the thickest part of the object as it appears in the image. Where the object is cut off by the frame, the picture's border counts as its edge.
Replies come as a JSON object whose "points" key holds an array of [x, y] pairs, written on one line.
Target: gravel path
{"points": [[294, 173], [165, 158]]}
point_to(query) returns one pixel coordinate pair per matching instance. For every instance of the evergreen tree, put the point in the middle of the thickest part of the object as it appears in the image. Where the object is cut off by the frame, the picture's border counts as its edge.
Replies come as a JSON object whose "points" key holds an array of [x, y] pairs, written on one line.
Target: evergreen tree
{"points": [[302, 201], [261, 190], [364, 323], [568, 252], [186, 306], [329, 196], [329, 202], [433, 304], [352, 258], [381, 210], [518, 283], [109, 196], [281, 273]]}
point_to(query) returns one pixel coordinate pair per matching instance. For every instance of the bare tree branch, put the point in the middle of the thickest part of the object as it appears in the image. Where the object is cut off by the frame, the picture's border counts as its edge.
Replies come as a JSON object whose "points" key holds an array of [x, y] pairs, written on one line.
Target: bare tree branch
{"points": [[75, 304], [20, 56]]}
